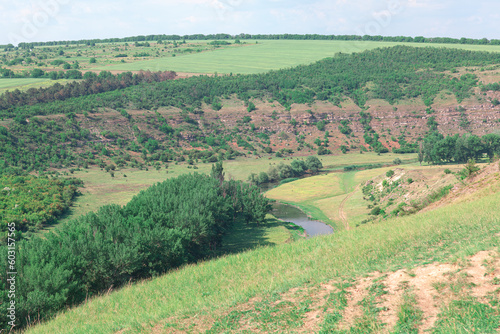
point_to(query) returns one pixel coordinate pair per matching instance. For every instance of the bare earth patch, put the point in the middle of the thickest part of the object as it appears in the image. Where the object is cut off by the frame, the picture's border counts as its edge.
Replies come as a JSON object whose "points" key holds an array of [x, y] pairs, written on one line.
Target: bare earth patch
{"points": [[433, 285]]}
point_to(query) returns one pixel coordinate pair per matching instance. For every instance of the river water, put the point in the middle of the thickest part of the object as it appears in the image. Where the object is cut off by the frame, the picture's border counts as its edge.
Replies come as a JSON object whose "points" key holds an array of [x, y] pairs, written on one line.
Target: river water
{"points": [[292, 214]]}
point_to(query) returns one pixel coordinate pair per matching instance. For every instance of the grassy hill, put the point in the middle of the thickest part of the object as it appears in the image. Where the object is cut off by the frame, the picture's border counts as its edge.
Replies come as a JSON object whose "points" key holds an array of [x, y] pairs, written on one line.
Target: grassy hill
{"points": [[434, 270]]}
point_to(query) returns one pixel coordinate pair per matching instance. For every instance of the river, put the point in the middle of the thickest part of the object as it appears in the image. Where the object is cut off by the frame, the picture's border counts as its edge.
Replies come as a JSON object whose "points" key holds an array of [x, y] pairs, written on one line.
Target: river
{"points": [[292, 214]]}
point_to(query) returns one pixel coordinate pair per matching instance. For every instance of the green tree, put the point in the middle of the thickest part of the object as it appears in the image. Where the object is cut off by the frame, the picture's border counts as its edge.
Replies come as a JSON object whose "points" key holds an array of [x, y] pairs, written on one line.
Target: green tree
{"points": [[313, 164]]}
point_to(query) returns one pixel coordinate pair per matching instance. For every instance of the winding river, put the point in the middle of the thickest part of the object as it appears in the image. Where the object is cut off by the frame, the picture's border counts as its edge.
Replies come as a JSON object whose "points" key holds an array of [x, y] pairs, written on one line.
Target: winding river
{"points": [[292, 214]]}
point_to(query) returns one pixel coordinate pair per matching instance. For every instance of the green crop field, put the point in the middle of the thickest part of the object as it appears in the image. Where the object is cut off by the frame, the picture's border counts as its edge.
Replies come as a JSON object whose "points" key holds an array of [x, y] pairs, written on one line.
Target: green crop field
{"points": [[11, 84], [24, 84], [267, 55]]}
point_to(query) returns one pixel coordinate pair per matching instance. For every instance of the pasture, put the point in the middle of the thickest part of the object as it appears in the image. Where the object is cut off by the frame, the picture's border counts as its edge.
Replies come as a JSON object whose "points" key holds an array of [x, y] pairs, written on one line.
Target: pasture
{"points": [[337, 199]]}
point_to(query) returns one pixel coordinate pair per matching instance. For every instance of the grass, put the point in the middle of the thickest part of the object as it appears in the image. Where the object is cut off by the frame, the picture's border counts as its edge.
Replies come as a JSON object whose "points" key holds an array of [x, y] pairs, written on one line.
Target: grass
{"points": [[409, 315], [24, 84], [243, 237], [210, 287], [468, 316], [305, 189], [268, 55], [322, 196]]}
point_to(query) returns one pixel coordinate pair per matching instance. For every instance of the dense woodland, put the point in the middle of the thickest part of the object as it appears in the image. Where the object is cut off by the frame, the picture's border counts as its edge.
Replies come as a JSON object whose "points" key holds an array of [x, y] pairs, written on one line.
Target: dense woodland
{"points": [[170, 224], [163, 37], [438, 149], [31, 202]]}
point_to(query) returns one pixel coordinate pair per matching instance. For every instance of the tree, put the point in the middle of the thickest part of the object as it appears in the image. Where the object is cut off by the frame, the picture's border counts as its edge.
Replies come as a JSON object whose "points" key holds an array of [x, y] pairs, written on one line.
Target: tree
{"points": [[218, 172], [251, 106], [299, 167], [420, 153], [263, 177], [471, 168], [313, 164]]}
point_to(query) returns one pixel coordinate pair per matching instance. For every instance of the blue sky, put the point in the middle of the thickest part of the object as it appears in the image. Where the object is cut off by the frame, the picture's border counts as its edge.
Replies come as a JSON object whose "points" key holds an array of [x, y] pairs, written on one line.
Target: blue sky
{"points": [[45, 20]]}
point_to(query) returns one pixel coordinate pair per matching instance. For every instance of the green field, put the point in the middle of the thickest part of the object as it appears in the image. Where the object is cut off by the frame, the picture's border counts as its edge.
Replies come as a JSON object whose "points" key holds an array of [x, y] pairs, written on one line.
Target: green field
{"points": [[11, 84], [25, 84], [216, 291], [267, 55]]}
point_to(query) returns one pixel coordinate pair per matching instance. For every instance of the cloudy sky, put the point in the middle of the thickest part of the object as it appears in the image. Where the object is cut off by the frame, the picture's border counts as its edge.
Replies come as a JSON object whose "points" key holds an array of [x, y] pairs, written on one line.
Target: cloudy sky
{"points": [[47, 20]]}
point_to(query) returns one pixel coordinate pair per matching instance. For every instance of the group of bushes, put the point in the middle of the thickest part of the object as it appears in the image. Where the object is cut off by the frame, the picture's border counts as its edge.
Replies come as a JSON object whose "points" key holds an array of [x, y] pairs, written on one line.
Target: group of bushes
{"points": [[172, 223], [284, 172], [30, 201]]}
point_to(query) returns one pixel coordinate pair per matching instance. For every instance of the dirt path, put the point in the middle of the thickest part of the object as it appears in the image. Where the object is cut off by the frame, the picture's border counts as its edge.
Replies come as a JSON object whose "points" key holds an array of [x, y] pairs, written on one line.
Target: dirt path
{"points": [[342, 213]]}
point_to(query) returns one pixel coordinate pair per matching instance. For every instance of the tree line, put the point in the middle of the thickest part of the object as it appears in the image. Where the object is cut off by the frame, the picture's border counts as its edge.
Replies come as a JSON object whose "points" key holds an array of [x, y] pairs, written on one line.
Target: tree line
{"points": [[222, 36], [91, 84], [170, 224], [437, 149]]}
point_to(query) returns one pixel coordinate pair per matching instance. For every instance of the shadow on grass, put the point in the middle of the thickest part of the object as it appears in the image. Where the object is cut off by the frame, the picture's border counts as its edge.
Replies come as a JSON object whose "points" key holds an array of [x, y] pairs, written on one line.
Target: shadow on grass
{"points": [[243, 237]]}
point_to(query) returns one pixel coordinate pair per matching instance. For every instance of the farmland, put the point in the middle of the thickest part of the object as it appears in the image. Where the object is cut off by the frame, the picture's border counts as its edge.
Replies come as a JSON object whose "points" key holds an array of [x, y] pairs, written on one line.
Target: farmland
{"points": [[267, 55]]}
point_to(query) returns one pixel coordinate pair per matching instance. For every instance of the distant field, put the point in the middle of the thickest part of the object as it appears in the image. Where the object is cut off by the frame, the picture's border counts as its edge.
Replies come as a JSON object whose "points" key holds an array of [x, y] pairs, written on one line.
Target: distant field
{"points": [[10, 84], [267, 55], [24, 84]]}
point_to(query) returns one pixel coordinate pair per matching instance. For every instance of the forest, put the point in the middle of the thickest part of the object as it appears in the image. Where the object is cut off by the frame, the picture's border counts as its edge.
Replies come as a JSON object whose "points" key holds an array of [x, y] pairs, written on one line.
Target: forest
{"points": [[392, 74], [438, 149], [165, 226]]}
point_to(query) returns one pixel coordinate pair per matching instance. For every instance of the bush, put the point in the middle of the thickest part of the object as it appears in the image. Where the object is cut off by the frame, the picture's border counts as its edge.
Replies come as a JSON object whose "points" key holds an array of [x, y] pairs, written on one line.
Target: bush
{"points": [[389, 173], [397, 161], [377, 211]]}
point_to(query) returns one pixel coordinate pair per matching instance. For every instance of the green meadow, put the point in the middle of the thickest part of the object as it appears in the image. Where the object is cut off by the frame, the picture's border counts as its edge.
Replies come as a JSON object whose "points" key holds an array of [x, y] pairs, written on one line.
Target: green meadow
{"points": [[265, 55]]}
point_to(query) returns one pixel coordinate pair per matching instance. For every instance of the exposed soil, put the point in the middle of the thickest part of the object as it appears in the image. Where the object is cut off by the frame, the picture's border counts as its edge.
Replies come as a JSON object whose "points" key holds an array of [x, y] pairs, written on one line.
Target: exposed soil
{"points": [[433, 286]]}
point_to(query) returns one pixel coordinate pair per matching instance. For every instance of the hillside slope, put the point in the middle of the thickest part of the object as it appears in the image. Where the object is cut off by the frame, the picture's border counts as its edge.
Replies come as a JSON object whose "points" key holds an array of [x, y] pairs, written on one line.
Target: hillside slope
{"points": [[433, 270]]}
